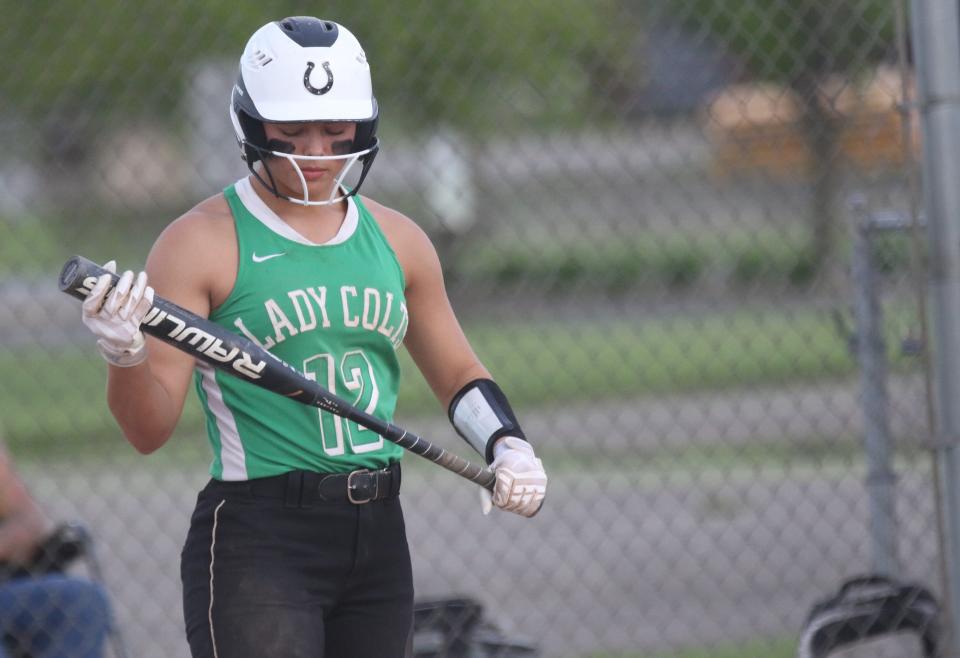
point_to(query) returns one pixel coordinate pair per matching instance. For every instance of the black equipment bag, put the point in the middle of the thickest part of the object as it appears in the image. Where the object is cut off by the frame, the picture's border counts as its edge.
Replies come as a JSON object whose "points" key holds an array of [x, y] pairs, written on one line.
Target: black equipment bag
{"points": [[867, 607], [455, 628], [54, 555]]}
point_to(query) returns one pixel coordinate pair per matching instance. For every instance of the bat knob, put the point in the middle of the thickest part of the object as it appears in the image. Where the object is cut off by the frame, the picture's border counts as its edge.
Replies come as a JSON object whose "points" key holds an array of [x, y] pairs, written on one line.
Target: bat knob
{"points": [[68, 275]]}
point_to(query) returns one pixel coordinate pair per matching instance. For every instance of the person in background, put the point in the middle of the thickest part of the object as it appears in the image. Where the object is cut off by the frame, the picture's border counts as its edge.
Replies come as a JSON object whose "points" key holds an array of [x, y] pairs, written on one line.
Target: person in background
{"points": [[47, 614]]}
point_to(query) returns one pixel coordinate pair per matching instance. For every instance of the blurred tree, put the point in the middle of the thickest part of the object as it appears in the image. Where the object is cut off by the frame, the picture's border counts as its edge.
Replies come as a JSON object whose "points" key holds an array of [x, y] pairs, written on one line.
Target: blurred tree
{"points": [[799, 43], [471, 65], [486, 65], [78, 66]]}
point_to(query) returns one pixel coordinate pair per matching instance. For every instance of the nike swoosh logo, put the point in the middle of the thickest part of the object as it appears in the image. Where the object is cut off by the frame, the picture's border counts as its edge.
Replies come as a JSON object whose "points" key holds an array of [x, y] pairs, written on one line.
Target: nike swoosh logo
{"points": [[260, 259]]}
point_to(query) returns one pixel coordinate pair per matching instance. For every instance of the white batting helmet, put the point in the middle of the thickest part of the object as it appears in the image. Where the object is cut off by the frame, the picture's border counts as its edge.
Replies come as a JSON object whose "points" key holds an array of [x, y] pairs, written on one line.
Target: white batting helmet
{"points": [[303, 69]]}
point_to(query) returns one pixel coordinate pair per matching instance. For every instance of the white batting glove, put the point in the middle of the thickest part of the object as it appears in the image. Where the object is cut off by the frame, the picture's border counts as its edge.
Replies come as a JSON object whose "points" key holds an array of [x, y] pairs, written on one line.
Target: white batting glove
{"points": [[521, 481], [114, 317]]}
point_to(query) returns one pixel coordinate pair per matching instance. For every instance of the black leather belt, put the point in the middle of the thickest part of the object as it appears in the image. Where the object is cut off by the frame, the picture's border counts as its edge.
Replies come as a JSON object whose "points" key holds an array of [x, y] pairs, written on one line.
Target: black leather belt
{"points": [[304, 488]]}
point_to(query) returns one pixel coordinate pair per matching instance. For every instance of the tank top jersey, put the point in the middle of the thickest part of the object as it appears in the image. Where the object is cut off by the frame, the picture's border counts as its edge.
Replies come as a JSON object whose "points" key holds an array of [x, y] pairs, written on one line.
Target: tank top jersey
{"points": [[334, 311]]}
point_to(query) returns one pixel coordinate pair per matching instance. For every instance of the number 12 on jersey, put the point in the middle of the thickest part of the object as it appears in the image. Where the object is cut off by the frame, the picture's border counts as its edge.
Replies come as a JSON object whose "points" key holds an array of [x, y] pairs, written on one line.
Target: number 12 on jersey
{"points": [[356, 372]]}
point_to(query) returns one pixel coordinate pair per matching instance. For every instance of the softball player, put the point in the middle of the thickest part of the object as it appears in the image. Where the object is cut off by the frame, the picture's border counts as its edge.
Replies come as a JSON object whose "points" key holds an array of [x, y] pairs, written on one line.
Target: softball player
{"points": [[297, 544]]}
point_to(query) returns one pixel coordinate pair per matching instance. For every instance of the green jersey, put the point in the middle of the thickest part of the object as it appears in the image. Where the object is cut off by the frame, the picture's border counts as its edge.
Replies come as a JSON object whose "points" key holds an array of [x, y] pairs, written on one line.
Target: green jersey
{"points": [[334, 311]]}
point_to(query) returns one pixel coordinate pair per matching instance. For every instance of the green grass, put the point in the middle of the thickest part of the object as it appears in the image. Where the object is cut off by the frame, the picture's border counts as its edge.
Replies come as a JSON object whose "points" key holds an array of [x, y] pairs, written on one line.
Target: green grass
{"points": [[53, 400], [38, 247], [28, 247], [744, 259], [765, 453], [49, 394], [549, 362], [771, 648], [623, 262], [34, 246]]}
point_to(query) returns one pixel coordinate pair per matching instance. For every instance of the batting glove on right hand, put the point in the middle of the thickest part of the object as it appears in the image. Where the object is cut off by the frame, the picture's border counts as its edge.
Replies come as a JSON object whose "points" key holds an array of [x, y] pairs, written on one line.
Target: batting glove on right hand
{"points": [[521, 481], [114, 316]]}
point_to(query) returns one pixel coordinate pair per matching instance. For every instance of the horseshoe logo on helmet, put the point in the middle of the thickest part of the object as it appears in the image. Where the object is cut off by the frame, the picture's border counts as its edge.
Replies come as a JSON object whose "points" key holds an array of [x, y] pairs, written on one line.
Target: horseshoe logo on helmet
{"points": [[314, 90]]}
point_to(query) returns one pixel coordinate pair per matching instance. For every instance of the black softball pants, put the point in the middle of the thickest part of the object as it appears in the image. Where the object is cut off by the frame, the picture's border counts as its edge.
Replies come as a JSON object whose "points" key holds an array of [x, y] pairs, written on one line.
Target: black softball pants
{"points": [[267, 578]]}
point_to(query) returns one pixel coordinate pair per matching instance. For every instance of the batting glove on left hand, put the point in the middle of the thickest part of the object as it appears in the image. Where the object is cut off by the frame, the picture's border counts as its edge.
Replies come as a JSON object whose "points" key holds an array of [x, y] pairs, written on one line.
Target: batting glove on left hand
{"points": [[114, 316], [521, 481]]}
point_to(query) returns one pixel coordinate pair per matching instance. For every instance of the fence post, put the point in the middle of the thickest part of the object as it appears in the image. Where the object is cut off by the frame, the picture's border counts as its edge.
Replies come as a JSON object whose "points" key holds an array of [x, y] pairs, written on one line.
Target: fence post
{"points": [[872, 359], [936, 51]]}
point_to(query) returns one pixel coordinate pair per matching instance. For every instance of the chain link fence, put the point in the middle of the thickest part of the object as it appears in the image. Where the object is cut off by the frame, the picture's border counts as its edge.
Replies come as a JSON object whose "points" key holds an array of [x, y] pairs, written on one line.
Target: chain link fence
{"points": [[643, 211]]}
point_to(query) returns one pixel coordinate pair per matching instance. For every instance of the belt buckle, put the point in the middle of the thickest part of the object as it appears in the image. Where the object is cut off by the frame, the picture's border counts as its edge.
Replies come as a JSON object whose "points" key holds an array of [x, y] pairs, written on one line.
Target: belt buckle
{"points": [[351, 487]]}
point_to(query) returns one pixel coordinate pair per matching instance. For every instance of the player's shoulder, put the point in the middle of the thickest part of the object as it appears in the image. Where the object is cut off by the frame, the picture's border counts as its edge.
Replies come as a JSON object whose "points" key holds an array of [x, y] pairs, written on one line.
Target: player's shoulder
{"points": [[411, 244], [209, 217], [402, 232], [204, 225], [201, 239]]}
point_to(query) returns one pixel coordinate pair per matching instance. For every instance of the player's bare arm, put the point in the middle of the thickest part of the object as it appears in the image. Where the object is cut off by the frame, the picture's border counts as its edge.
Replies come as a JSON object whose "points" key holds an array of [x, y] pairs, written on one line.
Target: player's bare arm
{"points": [[24, 523], [192, 263], [477, 406], [434, 338]]}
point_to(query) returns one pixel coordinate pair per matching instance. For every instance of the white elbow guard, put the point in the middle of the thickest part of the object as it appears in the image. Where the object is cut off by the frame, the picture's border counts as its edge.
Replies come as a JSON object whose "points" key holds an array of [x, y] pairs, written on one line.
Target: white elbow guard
{"points": [[481, 414]]}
